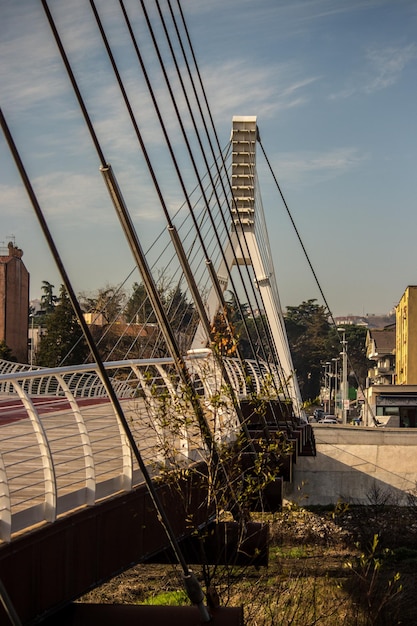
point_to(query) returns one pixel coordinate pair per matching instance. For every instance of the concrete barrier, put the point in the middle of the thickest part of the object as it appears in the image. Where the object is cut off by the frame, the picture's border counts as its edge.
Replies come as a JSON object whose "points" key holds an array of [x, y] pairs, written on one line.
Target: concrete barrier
{"points": [[357, 465]]}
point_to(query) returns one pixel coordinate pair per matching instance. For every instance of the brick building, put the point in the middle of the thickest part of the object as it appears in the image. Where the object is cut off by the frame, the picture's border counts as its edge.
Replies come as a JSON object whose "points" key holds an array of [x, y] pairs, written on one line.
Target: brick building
{"points": [[14, 302]]}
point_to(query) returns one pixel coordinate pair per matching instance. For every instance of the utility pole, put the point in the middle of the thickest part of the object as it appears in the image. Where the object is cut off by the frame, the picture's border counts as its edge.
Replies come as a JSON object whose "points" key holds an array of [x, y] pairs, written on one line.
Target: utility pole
{"points": [[32, 338], [345, 396]]}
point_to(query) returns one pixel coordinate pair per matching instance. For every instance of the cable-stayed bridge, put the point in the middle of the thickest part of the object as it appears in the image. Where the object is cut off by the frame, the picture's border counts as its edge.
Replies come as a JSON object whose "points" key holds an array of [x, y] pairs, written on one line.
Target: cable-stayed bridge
{"points": [[66, 456], [112, 462]]}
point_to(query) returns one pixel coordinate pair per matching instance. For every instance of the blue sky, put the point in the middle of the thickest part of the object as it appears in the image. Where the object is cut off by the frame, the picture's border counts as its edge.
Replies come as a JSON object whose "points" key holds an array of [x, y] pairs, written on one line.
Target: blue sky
{"points": [[333, 85]]}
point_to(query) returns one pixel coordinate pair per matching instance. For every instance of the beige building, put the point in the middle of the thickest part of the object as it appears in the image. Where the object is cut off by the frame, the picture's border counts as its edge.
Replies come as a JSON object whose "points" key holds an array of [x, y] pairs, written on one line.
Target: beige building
{"points": [[14, 302], [380, 348], [406, 338], [394, 405], [391, 405]]}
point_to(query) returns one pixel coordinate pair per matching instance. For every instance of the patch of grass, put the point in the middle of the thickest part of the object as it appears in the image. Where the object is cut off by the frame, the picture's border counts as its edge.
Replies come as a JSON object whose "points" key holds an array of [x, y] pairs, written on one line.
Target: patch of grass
{"points": [[297, 598], [168, 598], [290, 552], [404, 554]]}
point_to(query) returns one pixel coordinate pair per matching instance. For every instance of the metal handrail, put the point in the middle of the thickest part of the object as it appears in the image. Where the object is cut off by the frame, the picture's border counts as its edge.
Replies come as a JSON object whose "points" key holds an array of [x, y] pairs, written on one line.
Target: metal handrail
{"points": [[62, 446]]}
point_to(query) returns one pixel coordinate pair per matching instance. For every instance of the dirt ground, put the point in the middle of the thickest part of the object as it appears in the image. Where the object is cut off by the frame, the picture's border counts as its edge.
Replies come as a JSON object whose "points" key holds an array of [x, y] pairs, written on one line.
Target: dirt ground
{"points": [[322, 550]]}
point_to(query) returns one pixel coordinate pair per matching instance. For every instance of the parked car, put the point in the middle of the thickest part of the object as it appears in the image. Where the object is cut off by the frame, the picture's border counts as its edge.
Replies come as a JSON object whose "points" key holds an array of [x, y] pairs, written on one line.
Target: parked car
{"points": [[318, 414], [328, 419]]}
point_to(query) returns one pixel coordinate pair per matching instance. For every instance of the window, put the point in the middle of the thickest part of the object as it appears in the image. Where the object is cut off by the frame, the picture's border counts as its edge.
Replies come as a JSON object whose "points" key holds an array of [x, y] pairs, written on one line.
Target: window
{"points": [[387, 410]]}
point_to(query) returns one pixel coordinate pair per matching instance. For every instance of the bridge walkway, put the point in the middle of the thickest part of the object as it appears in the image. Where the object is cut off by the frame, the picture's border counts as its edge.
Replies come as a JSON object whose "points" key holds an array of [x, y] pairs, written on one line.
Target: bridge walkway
{"points": [[75, 510]]}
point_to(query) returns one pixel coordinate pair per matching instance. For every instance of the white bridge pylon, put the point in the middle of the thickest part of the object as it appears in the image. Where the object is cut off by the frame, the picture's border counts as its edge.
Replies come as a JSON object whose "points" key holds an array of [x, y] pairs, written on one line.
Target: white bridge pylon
{"points": [[244, 248]]}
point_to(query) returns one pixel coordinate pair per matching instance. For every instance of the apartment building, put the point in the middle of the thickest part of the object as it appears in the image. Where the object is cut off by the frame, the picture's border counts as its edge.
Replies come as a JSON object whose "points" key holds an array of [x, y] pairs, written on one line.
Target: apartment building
{"points": [[14, 302], [406, 338], [394, 405]]}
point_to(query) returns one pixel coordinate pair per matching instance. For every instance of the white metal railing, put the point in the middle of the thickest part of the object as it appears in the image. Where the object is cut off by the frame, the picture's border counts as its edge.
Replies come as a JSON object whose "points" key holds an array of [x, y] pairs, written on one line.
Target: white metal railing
{"points": [[62, 446]]}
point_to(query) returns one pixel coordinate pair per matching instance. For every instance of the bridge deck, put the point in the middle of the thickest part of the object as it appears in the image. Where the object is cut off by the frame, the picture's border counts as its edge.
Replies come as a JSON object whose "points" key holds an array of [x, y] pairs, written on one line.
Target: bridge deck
{"points": [[107, 466], [65, 459], [24, 464], [120, 529]]}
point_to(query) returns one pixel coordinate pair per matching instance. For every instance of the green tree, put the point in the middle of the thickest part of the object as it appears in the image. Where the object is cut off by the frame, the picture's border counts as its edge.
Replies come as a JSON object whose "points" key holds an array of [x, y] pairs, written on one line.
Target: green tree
{"points": [[108, 301], [5, 352], [63, 342], [48, 298], [314, 341], [308, 332], [180, 311], [245, 328], [139, 308]]}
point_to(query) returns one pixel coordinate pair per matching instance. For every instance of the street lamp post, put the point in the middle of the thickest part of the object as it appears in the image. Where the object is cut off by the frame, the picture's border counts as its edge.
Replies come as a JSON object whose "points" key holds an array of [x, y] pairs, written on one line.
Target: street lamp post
{"points": [[324, 396], [344, 387], [336, 375], [329, 385], [32, 317]]}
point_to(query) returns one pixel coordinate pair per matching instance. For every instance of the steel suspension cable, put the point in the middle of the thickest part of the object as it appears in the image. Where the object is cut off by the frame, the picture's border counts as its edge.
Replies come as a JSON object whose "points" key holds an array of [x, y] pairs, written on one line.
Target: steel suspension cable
{"points": [[130, 233], [210, 442], [153, 294], [300, 241], [143, 304], [254, 293], [197, 134], [221, 247], [203, 315], [131, 236], [196, 594], [330, 314], [173, 100]]}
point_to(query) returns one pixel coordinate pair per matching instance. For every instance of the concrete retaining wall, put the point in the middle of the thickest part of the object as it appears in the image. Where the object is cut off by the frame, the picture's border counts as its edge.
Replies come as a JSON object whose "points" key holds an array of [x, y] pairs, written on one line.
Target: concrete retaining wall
{"points": [[357, 465]]}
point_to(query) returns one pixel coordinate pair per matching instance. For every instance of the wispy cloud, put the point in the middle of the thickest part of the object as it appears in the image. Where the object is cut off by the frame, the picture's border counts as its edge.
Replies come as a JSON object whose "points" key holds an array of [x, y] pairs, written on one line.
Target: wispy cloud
{"points": [[28, 73], [237, 86], [318, 166], [383, 67], [387, 65], [310, 10]]}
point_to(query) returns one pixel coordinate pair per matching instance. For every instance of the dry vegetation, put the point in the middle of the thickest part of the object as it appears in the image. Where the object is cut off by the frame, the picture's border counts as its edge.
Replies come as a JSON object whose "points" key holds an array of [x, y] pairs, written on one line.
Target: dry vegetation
{"points": [[355, 566]]}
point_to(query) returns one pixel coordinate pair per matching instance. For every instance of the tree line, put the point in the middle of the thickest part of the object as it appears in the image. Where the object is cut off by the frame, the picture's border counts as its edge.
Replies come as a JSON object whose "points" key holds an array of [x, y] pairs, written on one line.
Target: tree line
{"points": [[121, 325], [312, 338]]}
